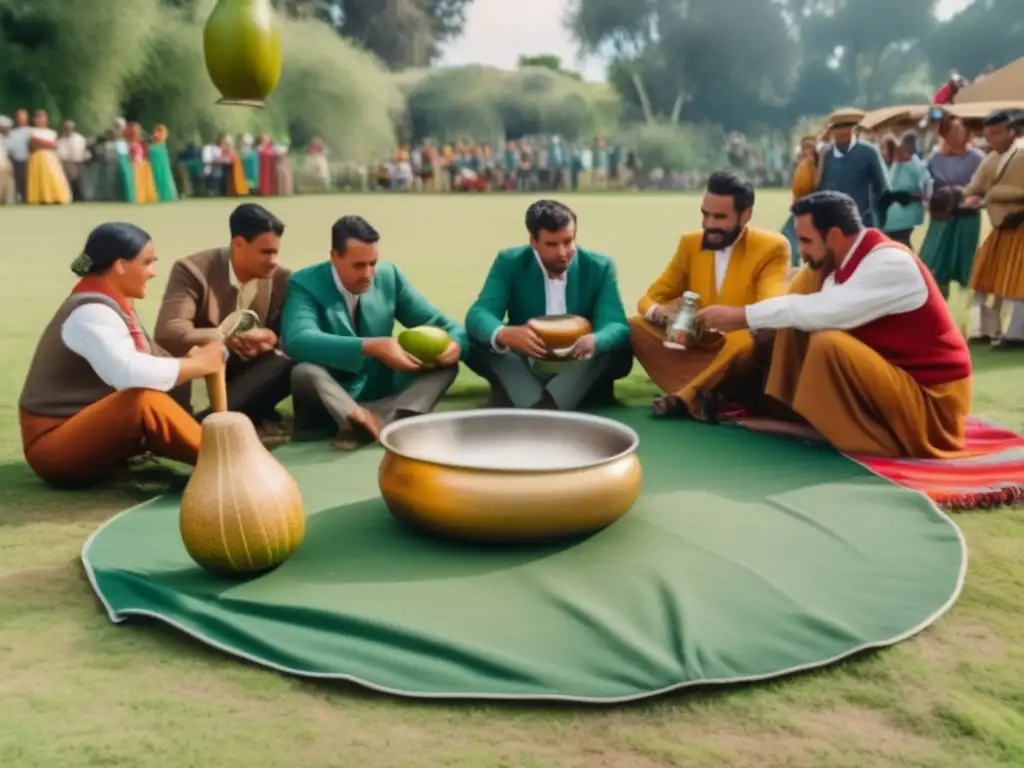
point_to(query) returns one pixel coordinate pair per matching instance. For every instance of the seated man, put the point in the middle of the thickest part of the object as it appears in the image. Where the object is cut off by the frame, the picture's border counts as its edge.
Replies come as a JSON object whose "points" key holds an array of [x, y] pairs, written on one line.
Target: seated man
{"points": [[550, 276], [96, 391], [865, 352], [726, 262], [351, 376], [203, 289]]}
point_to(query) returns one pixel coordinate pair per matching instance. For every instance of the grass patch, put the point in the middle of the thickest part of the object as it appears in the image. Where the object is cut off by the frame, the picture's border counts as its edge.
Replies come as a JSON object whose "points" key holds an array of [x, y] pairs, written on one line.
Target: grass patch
{"points": [[77, 691]]}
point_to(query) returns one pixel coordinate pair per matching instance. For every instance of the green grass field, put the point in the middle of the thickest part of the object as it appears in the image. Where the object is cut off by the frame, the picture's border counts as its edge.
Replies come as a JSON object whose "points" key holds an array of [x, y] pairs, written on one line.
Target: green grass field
{"points": [[76, 691]]}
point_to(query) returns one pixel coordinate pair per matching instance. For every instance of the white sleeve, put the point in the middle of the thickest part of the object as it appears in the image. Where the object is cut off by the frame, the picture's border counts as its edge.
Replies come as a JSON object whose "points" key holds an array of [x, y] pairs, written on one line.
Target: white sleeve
{"points": [[494, 341], [99, 334], [887, 282]]}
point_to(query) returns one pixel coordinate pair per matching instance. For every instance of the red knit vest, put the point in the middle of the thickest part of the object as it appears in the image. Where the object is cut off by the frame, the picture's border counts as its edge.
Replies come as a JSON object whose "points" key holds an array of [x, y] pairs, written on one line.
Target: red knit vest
{"points": [[924, 342]]}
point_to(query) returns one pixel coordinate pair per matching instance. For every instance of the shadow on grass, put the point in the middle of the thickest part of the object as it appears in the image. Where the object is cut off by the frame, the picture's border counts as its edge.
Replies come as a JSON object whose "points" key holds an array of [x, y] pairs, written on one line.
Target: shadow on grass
{"points": [[27, 500]]}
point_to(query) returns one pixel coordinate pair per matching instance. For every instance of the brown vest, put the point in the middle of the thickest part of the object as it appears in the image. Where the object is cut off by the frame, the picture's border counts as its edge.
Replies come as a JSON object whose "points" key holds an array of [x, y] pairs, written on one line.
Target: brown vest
{"points": [[60, 383]]}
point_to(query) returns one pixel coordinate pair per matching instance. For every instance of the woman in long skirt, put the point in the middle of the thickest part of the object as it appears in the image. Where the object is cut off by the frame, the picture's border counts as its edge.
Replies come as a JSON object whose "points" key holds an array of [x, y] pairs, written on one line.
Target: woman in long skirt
{"points": [[142, 171], [160, 162], [953, 234], [804, 182], [250, 162], [46, 183]]}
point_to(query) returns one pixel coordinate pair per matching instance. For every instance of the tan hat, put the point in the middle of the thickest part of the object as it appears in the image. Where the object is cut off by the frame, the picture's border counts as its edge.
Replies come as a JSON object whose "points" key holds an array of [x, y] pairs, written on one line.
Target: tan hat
{"points": [[845, 116]]}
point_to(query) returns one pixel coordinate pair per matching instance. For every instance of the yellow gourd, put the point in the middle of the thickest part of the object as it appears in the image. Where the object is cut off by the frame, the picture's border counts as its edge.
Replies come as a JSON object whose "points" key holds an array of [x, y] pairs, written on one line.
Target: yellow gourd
{"points": [[241, 512], [242, 48]]}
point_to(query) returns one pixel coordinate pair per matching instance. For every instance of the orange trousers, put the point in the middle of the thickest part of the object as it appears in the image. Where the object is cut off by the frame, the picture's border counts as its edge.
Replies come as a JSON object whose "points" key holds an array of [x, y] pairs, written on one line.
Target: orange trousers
{"points": [[85, 448]]}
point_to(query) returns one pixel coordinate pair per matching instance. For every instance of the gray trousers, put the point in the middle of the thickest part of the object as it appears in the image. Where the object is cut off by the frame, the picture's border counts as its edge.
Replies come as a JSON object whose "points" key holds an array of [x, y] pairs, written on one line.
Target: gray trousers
{"points": [[512, 378], [322, 406]]}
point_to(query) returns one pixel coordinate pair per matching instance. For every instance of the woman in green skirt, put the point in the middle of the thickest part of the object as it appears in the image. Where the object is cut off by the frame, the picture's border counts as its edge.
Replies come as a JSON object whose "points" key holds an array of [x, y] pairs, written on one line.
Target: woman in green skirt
{"points": [[953, 234]]}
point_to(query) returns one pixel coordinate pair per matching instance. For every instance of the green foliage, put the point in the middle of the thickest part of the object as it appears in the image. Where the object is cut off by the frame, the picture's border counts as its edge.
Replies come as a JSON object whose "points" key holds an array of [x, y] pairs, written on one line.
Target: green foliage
{"points": [[172, 88], [331, 90], [93, 60], [679, 147], [485, 103], [548, 61], [72, 58]]}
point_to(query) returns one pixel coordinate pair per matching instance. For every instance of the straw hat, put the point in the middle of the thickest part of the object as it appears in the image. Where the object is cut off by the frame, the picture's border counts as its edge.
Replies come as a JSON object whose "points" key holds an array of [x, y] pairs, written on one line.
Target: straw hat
{"points": [[845, 116]]}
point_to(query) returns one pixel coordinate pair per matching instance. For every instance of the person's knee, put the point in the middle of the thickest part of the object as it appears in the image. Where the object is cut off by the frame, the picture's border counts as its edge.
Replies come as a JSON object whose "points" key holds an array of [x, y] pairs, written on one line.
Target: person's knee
{"points": [[643, 335], [448, 374], [147, 401], [638, 324], [280, 364], [305, 373], [621, 361], [829, 344]]}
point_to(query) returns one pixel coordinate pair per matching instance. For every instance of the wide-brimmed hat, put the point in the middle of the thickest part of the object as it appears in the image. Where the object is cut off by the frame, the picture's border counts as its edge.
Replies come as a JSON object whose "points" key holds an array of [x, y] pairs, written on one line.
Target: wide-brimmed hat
{"points": [[844, 117]]}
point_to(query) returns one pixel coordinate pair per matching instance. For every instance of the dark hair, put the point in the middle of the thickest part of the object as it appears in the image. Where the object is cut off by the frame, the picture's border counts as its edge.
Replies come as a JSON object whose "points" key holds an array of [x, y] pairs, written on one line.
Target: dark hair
{"points": [[830, 210], [999, 117], [355, 227], [909, 141], [732, 184], [107, 244], [548, 215], [250, 220]]}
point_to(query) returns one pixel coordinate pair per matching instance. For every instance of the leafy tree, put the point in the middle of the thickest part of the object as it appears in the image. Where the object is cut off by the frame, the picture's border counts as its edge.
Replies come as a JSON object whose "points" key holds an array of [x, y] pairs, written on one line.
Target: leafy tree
{"points": [[548, 61], [718, 60], [985, 32], [401, 33]]}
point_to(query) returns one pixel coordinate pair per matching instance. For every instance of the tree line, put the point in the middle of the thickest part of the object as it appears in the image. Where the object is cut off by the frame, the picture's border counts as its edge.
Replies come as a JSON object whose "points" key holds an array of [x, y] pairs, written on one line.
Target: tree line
{"points": [[357, 72]]}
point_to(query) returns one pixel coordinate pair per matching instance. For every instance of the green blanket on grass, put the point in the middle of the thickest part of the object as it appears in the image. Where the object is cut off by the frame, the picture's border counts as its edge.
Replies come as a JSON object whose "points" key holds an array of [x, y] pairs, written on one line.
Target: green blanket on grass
{"points": [[747, 557]]}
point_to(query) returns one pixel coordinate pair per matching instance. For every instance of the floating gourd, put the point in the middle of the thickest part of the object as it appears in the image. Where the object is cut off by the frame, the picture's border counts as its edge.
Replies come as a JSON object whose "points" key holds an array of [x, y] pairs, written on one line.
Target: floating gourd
{"points": [[241, 512], [243, 51], [425, 342]]}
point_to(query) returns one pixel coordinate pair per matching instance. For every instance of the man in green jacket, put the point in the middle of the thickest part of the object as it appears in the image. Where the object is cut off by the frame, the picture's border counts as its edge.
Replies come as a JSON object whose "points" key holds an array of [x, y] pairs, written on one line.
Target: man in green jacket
{"points": [[337, 324], [550, 276]]}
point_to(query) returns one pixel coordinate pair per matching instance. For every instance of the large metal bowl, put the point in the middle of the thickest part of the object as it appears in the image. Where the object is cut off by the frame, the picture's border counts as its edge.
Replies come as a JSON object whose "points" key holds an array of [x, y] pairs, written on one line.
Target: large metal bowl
{"points": [[509, 475]]}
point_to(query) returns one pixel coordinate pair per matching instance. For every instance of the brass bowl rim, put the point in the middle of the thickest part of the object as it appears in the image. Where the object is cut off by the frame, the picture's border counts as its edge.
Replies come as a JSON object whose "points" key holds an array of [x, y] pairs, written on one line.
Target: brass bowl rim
{"points": [[568, 416]]}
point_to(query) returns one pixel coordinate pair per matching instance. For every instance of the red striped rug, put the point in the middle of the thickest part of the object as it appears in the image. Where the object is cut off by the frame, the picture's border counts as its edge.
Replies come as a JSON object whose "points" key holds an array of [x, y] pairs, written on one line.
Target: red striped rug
{"points": [[993, 476]]}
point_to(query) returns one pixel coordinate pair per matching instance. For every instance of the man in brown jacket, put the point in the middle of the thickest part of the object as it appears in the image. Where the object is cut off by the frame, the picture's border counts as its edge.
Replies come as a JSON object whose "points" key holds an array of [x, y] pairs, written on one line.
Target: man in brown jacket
{"points": [[203, 289]]}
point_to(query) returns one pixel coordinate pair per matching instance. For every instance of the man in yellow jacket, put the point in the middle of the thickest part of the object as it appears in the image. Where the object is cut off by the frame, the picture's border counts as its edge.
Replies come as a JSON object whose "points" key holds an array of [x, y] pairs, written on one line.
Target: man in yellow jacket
{"points": [[726, 262]]}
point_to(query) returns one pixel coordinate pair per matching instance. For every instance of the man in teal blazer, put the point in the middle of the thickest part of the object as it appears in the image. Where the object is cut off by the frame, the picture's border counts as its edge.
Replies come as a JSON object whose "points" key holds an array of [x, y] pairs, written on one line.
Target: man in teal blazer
{"points": [[550, 276], [351, 376]]}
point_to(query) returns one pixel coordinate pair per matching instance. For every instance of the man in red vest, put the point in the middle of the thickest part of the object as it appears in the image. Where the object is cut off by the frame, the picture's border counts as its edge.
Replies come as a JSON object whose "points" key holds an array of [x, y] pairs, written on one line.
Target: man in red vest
{"points": [[863, 350]]}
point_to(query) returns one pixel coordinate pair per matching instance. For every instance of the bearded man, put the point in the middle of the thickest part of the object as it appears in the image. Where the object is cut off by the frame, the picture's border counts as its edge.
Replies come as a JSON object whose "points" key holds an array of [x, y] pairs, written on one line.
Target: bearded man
{"points": [[862, 352], [726, 262]]}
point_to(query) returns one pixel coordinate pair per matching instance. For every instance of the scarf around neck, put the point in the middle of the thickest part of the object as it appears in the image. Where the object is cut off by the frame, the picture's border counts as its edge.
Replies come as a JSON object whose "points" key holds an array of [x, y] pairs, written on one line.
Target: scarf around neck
{"points": [[96, 285]]}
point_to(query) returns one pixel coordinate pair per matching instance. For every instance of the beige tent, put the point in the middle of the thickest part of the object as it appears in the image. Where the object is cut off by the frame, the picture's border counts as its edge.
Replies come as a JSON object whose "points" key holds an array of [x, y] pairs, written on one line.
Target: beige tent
{"points": [[1006, 84], [981, 109], [893, 118]]}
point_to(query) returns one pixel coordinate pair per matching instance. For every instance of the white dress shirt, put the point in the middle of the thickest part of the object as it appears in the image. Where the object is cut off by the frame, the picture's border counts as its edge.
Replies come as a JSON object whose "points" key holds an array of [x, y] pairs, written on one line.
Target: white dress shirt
{"points": [[351, 299], [73, 148], [17, 143], [554, 298], [100, 335], [887, 282]]}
